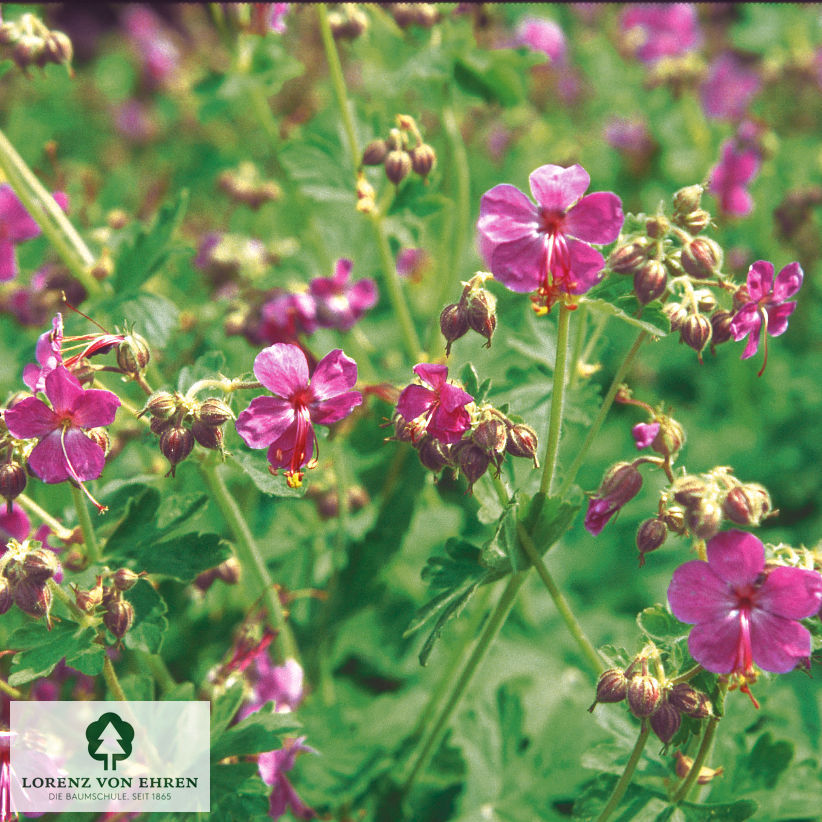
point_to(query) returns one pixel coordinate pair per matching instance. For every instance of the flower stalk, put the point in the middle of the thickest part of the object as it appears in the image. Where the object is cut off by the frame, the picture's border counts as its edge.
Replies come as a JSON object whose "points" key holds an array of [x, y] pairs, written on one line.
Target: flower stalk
{"points": [[625, 780], [86, 526]]}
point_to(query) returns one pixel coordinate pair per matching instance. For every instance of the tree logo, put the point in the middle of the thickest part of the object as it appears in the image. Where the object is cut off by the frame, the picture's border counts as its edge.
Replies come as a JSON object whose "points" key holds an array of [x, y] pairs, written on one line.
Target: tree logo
{"points": [[109, 740]]}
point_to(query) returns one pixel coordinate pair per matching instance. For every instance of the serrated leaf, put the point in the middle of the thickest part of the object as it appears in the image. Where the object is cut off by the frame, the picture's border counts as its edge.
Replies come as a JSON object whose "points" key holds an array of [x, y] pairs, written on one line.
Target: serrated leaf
{"points": [[316, 169], [257, 733], [658, 623], [725, 812], [653, 319], [502, 552], [237, 792], [547, 519], [496, 76], [207, 366], [470, 379], [149, 250], [225, 707], [255, 467], [150, 623], [451, 611], [41, 649], [461, 564]]}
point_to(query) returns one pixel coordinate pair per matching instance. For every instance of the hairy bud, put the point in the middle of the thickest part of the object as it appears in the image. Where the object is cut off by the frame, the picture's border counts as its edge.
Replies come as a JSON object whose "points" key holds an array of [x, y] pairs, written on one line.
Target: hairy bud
{"points": [[492, 436], [687, 199], [674, 519], [40, 565], [627, 259], [375, 153], [472, 461], [643, 694], [620, 484], [690, 490], [161, 405], [747, 504], [656, 227], [453, 324], [12, 480], [176, 443], [214, 412], [721, 326], [676, 315], [612, 686], [650, 281], [6, 599], [423, 158], [58, 48], [665, 721], [125, 578], [688, 700], [650, 536], [704, 519], [669, 439], [702, 258], [397, 165], [694, 222], [696, 332], [522, 442], [207, 435], [229, 571], [119, 617], [133, 354], [434, 455], [480, 311]]}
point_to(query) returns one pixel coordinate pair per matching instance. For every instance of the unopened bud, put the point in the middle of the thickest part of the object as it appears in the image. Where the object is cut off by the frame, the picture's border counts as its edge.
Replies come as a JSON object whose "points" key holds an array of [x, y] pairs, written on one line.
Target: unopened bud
{"points": [[28, 49], [620, 484], [472, 461], [747, 504], [453, 324], [480, 310], [103, 267], [158, 425], [696, 332], [125, 578], [58, 48], [119, 617], [612, 686], [656, 227], [669, 439], [161, 405], [133, 354], [207, 435], [702, 258], [650, 536], [434, 455], [674, 519], [694, 222], [522, 442], [117, 218], [705, 300], [32, 598], [721, 326], [9, 33], [12, 480], [650, 281], [492, 436], [40, 565], [686, 699], [676, 315], [704, 519], [423, 158], [88, 600], [229, 571], [214, 412], [665, 721], [643, 694], [375, 153], [627, 259], [690, 490], [176, 443], [397, 166], [6, 599], [687, 199]]}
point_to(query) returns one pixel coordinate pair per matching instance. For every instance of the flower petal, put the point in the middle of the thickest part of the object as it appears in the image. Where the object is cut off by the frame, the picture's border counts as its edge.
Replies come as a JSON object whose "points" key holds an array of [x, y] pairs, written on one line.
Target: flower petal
{"points": [[794, 593], [17, 222], [342, 271], [778, 644], [449, 426], [736, 556], [506, 214], [558, 188], [335, 408], [760, 279], [587, 265], [282, 449], [94, 407], [518, 264], [597, 218], [697, 594], [644, 433], [85, 456], [413, 401], [47, 460], [335, 374], [30, 418], [778, 317], [715, 645], [736, 201], [63, 389], [15, 525], [432, 375], [788, 282], [265, 419], [746, 321], [8, 261], [282, 368]]}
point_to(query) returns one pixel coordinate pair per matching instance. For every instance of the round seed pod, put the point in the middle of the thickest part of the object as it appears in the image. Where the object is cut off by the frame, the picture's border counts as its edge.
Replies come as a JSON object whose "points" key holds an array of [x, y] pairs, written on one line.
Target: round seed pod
{"points": [[397, 165], [665, 721], [644, 695], [612, 686], [119, 617]]}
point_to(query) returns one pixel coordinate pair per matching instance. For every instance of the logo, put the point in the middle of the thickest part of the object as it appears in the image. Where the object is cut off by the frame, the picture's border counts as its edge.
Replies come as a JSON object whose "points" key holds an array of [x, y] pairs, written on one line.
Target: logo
{"points": [[109, 740]]}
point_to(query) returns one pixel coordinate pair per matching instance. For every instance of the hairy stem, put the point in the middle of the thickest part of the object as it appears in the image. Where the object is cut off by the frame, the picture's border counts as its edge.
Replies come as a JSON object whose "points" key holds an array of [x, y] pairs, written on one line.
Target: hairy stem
{"points": [[625, 780], [60, 531], [549, 467], [89, 537], [252, 561], [111, 680], [156, 664]]}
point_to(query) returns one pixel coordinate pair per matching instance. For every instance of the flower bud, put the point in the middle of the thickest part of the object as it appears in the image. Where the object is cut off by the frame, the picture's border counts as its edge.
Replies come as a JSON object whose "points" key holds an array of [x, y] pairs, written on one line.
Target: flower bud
{"points": [[620, 484], [650, 281], [119, 617], [6, 599], [674, 519], [650, 536], [702, 258], [480, 310], [453, 324], [665, 721], [687, 199], [696, 332], [656, 227], [157, 425], [704, 519], [40, 565], [9, 33], [133, 354], [612, 686], [705, 300], [522, 442], [12, 480], [206, 579], [472, 461], [161, 405], [492, 436], [670, 437], [125, 578], [229, 571], [101, 437], [423, 158], [58, 48], [28, 49], [434, 455], [214, 412], [397, 165], [627, 259], [375, 153], [676, 315], [746, 504], [686, 699], [176, 443], [208, 436], [643, 694], [88, 600], [721, 326], [694, 222], [690, 490], [32, 598]]}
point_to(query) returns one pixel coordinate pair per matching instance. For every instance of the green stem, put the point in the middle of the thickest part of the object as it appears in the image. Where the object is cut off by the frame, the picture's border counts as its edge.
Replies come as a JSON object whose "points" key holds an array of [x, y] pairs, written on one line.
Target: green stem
{"points": [[111, 680], [619, 377], [89, 537], [557, 401], [627, 774], [156, 664], [687, 675], [84, 619], [10, 690], [252, 561], [60, 531], [429, 742], [576, 345], [45, 211]]}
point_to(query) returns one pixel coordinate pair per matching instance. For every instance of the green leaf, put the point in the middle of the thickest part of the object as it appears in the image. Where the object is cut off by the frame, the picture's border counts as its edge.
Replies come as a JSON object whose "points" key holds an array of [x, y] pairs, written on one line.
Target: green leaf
{"points": [[150, 623], [150, 248], [461, 564], [470, 379], [653, 319], [41, 649], [225, 708], [153, 317], [207, 366], [237, 792], [182, 692], [416, 197], [451, 611], [90, 661], [768, 760], [547, 519], [255, 466], [658, 623], [497, 76], [503, 552], [258, 733], [725, 812], [315, 166]]}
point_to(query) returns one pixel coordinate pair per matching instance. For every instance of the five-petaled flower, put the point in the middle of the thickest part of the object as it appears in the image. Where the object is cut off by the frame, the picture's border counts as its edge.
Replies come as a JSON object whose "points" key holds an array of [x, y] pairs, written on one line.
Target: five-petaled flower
{"points": [[438, 409], [17, 225], [767, 306], [545, 248], [339, 303], [273, 767], [283, 423], [63, 451], [745, 612]]}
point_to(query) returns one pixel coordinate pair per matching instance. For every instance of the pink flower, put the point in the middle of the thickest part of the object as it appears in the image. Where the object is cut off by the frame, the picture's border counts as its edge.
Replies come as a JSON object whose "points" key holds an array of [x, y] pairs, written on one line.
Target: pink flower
{"points": [[412, 263], [729, 88], [660, 30], [273, 767], [619, 486], [283, 423], [285, 316], [14, 524], [438, 409], [736, 168], [159, 54], [744, 612], [281, 684], [767, 305], [542, 35], [545, 247], [63, 450], [340, 304], [644, 433], [16, 226], [276, 19]]}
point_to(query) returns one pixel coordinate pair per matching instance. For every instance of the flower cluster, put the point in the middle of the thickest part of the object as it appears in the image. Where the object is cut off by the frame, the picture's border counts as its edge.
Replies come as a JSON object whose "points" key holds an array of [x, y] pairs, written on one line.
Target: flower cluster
{"points": [[476, 310]]}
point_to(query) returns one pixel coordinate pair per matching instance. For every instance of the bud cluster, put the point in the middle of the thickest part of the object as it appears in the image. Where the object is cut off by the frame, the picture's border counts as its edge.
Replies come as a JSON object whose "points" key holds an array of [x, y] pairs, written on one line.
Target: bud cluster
{"points": [[29, 42], [396, 155], [25, 569], [179, 422], [244, 185], [662, 702], [476, 310], [228, 571], [327, 500]]}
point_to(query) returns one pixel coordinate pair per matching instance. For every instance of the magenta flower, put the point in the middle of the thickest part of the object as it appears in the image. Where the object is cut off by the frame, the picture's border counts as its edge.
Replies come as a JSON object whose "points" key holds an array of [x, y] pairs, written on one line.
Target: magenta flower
{"points": [[744, 611], [660, 30], [273, 767], [151, 40], [281, 684], [276, 17], [768, 305], [285, 316], [339, 303], [14, 524], [644, 433], [63, 450], [542, 35], [620, 485], [412, 263], [546, 247], [438, 409], [729, 88], [16, 226], [736, 168], [283, 423]]}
